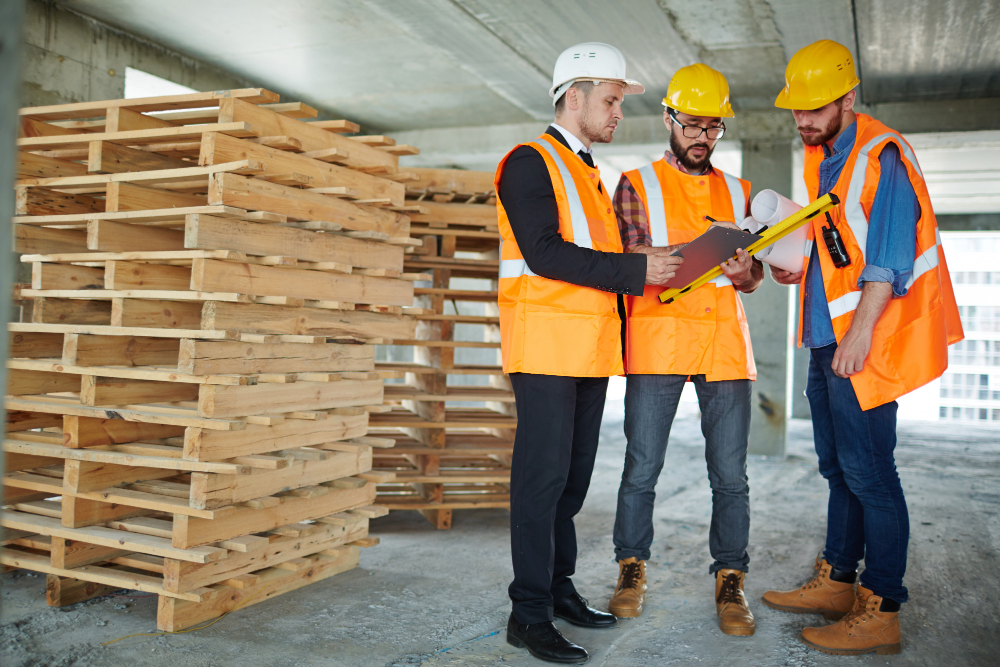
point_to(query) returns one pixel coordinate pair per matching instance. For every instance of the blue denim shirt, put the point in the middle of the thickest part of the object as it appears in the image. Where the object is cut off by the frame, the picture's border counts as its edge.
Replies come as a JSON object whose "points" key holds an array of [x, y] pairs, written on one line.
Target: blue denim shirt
{"points": [[892, 235]]}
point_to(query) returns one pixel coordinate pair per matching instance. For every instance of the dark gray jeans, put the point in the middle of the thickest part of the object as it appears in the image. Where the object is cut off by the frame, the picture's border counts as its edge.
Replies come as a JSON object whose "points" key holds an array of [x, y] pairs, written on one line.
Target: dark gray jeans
{"points": [[650, 405]]}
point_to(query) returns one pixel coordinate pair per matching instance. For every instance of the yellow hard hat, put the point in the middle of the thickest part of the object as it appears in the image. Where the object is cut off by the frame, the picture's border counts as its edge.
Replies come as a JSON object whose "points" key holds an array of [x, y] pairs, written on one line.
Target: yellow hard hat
{"points": [[699, 90], [817, 75]]}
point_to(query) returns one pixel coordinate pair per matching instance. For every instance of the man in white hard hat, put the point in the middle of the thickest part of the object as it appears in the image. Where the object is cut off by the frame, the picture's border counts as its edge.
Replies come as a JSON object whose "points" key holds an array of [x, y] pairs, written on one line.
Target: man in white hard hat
{"points": [[561, 273]]}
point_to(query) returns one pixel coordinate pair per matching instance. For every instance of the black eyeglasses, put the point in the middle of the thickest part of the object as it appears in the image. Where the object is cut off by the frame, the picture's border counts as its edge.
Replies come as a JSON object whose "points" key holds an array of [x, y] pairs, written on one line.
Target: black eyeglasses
{"points": [[694, 131]]}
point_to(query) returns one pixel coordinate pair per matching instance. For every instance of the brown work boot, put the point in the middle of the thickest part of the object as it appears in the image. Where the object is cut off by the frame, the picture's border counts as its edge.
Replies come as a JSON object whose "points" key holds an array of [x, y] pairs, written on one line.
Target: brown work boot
{"points": [[631, 590], [865, 629], [731, 604], [819, 595]]}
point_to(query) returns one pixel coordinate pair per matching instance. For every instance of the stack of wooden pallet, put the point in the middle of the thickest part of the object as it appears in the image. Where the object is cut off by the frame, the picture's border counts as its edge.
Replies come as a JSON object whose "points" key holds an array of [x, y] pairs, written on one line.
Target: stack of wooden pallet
{"points": [[449, 454], [190, 388]]}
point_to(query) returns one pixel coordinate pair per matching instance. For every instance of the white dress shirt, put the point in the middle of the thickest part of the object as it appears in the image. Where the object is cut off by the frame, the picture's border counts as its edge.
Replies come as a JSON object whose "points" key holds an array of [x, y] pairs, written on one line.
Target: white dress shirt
{"points": [[575, 144]]}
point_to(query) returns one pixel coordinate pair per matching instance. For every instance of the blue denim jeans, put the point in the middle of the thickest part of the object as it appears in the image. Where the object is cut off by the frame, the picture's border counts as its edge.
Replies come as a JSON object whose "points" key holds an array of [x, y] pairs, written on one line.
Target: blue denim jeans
{"points": [[866, 515], [650, 406]]}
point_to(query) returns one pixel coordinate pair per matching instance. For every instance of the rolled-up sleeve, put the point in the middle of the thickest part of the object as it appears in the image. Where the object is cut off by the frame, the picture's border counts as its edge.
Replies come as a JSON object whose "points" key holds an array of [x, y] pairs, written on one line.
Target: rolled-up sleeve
{"points": [[891, 246]]}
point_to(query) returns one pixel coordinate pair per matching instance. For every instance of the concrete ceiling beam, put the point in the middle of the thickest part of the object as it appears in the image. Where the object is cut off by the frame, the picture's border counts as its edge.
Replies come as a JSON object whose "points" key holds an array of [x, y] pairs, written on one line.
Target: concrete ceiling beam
{"points": [[473, 47]]}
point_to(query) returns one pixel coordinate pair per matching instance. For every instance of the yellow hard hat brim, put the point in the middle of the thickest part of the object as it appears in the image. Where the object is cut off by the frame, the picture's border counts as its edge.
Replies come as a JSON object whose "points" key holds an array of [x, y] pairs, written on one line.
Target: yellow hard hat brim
{"points": [[725, 112], [786, 100]]}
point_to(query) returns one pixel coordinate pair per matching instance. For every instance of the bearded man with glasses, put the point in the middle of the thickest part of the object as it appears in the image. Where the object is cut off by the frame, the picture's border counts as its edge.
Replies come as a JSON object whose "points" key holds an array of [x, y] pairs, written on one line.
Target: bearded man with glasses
{"points": [[703, 338]]}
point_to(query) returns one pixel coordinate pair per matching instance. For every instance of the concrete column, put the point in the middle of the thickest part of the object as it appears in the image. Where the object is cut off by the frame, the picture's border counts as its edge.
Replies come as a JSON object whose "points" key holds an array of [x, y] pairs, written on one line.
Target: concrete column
{"points": [[768, 165], [11, 19]]}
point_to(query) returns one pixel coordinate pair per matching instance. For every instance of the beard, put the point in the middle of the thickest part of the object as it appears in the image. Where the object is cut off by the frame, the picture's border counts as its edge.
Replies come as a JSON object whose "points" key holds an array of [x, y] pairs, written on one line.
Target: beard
{"points": [[826, 134], [683, 155], [593, 130]]}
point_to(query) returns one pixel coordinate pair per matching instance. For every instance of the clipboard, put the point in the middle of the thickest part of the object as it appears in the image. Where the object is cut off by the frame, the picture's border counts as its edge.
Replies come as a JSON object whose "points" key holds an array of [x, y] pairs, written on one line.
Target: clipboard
{"points": [[765, 238], [708, 251]]}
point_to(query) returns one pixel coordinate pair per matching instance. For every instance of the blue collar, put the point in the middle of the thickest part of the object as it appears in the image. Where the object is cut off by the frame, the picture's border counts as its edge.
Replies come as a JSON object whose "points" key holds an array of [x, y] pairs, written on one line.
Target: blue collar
{"points": [[845, 142]]}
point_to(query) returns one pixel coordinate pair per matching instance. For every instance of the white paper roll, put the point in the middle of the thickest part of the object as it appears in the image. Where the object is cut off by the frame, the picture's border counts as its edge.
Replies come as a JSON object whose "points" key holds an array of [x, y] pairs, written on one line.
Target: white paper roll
{"points": [[769, 208]]}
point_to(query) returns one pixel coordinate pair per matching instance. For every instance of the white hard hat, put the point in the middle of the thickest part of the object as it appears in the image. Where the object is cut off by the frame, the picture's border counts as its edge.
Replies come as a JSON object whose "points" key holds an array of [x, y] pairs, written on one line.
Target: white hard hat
{"points": [[590, 61]]}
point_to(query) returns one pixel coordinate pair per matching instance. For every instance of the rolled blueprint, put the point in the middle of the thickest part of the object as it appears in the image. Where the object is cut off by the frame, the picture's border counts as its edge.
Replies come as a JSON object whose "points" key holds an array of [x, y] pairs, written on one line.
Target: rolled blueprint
{"points": [[768, 209]]}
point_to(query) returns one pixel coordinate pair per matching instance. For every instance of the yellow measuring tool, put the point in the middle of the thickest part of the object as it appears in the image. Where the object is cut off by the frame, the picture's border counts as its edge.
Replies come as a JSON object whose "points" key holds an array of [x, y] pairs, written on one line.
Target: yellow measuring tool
{"points": [[768, 236]]}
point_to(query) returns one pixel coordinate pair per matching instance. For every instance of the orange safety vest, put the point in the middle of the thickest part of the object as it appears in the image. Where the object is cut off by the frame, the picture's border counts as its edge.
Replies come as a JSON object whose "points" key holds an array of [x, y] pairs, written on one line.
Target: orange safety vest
{"points": [[551, 327], [706, 332], [911, 339]]}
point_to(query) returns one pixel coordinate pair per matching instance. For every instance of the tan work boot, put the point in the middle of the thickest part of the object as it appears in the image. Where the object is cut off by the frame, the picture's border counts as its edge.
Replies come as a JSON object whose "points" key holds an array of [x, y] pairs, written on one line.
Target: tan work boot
{"points": [[819, 595], [631, 590], [864, 630], [731, 604]]}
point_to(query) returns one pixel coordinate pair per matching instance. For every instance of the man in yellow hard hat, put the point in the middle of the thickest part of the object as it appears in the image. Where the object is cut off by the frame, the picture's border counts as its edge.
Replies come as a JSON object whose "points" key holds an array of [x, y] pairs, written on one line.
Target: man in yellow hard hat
{"points": [[878, 313], [703, 337]]}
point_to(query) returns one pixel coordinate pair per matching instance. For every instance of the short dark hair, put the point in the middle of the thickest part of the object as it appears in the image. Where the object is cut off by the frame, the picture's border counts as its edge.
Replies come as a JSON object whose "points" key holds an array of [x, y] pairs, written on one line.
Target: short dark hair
{"points": [[585, 87]]}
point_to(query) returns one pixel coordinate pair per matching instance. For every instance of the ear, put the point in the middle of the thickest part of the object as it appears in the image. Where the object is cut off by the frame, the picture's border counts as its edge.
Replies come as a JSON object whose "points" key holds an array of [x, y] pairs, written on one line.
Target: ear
{"points": [[573, 99], [849, 100]]}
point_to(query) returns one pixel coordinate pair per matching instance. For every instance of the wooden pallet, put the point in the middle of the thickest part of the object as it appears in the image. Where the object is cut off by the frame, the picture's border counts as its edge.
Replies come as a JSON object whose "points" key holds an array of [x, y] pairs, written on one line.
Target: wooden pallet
{"points": [[453, 456], [191, 379]]}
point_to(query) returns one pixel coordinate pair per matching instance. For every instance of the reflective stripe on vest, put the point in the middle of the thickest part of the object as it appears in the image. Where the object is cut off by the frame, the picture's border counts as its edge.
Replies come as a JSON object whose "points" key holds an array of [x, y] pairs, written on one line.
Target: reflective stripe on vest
{"points": [[853, 211], [654, 207], [657, 215], [927, 261], [515, 268], [736, 195]]}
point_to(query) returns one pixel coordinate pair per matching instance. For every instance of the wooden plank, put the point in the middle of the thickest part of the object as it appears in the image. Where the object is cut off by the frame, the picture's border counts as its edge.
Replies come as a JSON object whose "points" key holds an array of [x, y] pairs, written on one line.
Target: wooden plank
{"points": [[25, 383], [131, 197], [29, 345], [151, 415], [258, 195], [48, 201], [120, 119], [212, 445], [128, 457], [141, 276], [234, 401], [90, 350], [312, 138], [65, 276], [63, 591], [111, 236], [190, 532], [25, 420], [185, 176], [68, 554], [145, 104], [33, 165], [36, 128], [43, 240], [155, 314], [304, 321], [198, 357], [451, 180], [174, 615], [121, 331], [70, 311], [131, 137], [105, 157], [83, 476], [181, 576], [137, 217], [203, 231], [217, 147], [97, 391], [216, 276], [209, 490], [89, 432], [339, 126]]}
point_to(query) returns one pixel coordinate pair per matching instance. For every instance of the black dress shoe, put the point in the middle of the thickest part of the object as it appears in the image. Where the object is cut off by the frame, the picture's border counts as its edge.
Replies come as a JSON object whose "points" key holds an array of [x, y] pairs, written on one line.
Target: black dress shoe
{"points": [[575, 609], [545, 642]]}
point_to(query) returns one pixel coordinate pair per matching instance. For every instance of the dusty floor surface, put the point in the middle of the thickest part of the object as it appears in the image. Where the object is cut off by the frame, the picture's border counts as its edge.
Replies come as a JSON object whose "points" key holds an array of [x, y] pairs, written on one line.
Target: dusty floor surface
{"points": [[434, 599]]}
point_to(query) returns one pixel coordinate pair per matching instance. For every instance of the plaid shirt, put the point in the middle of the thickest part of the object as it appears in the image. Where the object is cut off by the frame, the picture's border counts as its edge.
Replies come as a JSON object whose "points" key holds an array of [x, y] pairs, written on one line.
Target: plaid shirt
{"points": [[632, 221]]}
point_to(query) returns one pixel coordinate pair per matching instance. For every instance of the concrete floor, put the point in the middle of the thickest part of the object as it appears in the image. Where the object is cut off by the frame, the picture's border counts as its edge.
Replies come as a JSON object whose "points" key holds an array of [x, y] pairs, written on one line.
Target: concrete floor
{"points": [[434, 599]]}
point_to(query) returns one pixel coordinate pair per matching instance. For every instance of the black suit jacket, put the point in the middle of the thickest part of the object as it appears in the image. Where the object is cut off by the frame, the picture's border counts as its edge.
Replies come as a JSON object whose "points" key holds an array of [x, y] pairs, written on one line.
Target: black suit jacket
{"points": [[530, 202]]}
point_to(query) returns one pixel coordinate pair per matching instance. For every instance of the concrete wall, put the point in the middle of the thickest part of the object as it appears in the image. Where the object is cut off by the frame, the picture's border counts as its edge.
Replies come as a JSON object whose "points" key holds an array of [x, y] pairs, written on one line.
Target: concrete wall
{"points": [[67, 57]]}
